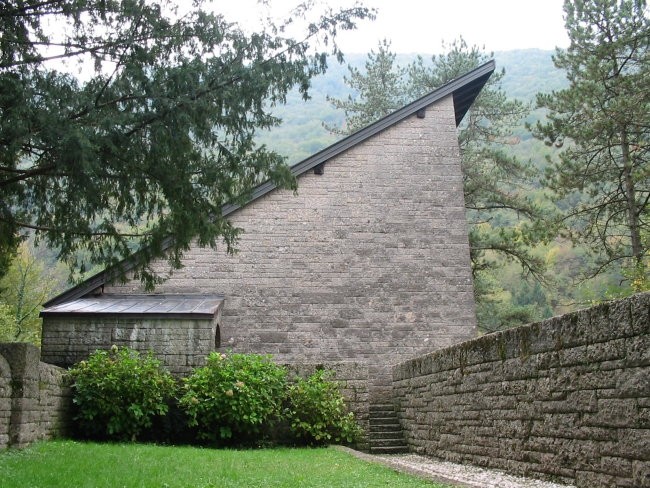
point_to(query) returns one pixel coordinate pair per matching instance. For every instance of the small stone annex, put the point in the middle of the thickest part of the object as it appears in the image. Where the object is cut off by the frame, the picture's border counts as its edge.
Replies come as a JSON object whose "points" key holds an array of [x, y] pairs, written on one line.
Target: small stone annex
{"points": [[368, 263]]}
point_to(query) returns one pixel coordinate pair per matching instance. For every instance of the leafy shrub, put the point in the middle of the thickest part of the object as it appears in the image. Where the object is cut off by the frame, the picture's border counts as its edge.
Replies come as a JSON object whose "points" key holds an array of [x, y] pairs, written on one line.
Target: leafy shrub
{"points": [[317, 412], [234, 397], [8, 328], [117, 393]]}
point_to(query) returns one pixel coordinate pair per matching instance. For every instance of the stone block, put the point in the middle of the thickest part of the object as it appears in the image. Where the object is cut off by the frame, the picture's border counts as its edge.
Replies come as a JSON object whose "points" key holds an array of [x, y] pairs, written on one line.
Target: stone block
{"points": [[575, 402], [616, 466], [571, 330], [633, 444], [637, 351], [23, 360], [633, 383], [589, 479], [613, 413], [620, 319], [641, 474], [640, 313]]}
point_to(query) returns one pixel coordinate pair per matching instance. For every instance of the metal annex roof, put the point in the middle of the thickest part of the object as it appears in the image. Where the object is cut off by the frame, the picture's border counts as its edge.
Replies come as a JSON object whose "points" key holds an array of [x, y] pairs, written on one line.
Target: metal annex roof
{"points": [[464, 90], [153, 306]]}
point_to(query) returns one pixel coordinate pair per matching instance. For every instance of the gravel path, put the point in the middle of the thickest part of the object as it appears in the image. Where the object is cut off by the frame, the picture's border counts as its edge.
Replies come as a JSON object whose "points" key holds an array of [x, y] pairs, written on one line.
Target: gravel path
{"points": [[460, 475]]}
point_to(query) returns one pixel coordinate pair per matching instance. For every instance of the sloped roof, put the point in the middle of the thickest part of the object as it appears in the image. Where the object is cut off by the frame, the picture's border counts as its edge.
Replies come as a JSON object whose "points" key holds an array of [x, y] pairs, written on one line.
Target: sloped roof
{"points": [[168, 306], [464, 90]]}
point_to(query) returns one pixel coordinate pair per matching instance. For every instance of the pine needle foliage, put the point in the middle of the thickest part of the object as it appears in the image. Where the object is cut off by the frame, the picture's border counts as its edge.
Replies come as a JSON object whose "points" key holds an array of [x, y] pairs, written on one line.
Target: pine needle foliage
{"points": [[601, 177], [154, 135]]}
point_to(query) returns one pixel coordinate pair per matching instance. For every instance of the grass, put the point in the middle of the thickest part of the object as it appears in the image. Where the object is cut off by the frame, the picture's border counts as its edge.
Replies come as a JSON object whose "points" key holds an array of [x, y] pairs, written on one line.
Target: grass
{"points": [[78, 464]]}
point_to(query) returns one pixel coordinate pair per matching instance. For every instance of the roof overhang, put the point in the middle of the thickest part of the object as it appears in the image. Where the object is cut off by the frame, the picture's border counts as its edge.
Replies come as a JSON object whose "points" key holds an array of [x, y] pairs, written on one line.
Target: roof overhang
{"points": [[139, 306]]}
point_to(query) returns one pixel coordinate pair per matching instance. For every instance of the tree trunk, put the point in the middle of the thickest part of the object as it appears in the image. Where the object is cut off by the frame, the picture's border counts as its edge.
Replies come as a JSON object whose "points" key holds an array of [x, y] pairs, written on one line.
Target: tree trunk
{"points": [[630, 196]]}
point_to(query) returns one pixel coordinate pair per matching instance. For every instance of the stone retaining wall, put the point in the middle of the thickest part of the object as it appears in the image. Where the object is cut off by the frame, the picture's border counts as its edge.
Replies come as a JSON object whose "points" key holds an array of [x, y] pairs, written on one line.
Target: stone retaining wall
{"points": [[180, 344], [34, 397], [567, 398]]}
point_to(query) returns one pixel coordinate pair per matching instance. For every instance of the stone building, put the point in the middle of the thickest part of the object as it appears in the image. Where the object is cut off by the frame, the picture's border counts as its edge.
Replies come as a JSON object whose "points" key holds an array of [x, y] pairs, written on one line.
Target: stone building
{"points": [[367, 263]]}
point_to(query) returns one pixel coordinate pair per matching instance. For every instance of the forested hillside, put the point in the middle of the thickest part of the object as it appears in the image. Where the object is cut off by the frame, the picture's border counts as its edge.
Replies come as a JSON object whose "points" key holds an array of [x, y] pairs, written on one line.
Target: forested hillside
{"points": [[302, 131]]}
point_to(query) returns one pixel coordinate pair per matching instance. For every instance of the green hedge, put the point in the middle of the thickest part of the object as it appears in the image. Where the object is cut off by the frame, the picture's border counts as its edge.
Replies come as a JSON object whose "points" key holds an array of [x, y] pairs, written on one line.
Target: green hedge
{"points": [[236, 399], [118, 393], [235, 396]]}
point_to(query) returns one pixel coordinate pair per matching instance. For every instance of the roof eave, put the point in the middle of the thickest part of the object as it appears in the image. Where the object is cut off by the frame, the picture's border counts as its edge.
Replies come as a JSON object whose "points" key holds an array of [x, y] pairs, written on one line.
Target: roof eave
{"points": [[170, 316]]}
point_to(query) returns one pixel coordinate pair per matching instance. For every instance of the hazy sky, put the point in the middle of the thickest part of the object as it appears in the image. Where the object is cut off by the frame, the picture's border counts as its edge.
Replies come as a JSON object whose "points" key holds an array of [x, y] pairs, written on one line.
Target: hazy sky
{"points": [[421, 25]]}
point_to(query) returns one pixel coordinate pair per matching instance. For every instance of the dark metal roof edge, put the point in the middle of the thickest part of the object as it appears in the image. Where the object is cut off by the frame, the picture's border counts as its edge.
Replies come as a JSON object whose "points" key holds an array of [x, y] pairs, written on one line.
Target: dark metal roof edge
{"points": [[152, 315], [391, 119], [99, 279], [352, 140], [483, 71]]}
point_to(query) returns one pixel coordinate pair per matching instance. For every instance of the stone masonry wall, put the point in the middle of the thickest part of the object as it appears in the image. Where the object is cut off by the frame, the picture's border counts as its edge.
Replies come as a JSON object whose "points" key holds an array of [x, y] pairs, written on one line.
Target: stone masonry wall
{"points": [[354, 384], [5, 401], [567, 398], [180, 344], [34, 397], [368, 262]]}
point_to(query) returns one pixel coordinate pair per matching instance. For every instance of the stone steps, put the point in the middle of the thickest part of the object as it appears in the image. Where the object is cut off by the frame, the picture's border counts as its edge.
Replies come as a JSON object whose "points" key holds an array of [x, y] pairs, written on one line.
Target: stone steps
{"points": [[385, 433]]}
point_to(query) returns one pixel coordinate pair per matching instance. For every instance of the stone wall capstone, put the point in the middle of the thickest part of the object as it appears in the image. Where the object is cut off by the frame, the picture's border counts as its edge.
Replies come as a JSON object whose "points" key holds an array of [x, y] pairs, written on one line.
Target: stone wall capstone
{"points": [[34, 397], [567, 398]]}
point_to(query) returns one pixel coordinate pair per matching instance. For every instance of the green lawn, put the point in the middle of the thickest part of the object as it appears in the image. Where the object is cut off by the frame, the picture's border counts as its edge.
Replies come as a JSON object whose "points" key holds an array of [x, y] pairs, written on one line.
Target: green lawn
{"points": [[69, 464]]}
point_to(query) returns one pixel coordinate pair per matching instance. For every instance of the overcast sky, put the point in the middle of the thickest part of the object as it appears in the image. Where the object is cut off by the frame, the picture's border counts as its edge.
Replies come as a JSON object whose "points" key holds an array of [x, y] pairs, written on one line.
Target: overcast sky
{"points": [[421, 25]]}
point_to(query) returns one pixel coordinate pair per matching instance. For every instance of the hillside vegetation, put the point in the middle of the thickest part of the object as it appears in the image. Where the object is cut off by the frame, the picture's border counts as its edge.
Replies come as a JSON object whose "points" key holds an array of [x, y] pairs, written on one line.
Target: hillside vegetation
{"points": [[302, 132]]}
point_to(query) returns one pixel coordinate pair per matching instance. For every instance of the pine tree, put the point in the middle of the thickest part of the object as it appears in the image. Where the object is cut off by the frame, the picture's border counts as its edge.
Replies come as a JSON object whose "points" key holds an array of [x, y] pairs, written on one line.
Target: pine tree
{"points": [[154, 137], [378, 91], [602, 175]]}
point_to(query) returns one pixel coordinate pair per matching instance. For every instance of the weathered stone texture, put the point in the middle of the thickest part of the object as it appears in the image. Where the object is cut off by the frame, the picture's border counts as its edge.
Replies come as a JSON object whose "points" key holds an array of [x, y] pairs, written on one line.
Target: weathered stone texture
{"points": [[180, 344], [368, 262], [567, 398], [34, 397], [5, 401]]}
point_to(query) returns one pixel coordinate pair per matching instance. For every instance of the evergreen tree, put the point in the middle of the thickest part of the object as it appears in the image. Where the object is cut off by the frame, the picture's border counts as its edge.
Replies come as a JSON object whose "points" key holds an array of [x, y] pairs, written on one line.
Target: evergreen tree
{"points": [[378, 91], [602, 175], [154, 137]]}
